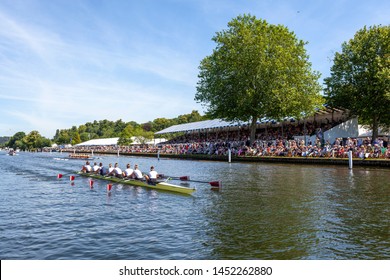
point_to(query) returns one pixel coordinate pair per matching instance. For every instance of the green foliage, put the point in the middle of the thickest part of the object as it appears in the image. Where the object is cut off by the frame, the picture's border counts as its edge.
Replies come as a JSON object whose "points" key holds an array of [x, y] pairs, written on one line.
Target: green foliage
{"points": [[3, 140], [84, 136], [126, 135], [257, 70], [101, 129], [137, 134], [62, 136], [360, 77], [161, 123], [15, 141], [123, 130], [31, 141], [142, 136], [76, 138], [34, 140]]}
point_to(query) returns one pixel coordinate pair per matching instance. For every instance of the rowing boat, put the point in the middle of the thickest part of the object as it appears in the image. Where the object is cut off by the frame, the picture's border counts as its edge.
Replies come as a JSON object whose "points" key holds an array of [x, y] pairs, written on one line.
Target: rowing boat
{"points": [[80, 156], [159, 186]]}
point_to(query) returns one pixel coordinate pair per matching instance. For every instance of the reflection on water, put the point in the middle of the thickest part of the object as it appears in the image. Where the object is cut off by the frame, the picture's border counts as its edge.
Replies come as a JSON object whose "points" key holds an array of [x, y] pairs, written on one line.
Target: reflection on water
{"points": [[264, 211], [300, 212]]}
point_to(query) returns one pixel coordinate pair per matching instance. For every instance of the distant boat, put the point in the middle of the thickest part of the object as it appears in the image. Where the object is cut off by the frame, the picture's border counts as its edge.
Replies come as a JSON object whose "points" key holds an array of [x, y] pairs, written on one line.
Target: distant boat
{"points": [[80, 156], [11, 153]]}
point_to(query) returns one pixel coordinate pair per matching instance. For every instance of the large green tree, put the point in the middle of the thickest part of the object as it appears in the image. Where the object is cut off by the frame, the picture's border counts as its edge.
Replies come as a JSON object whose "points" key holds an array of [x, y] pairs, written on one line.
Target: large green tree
{"points": [[34, 140], [360, 77], [142, 136], [16, 140], [125, 137], [257, 70]]}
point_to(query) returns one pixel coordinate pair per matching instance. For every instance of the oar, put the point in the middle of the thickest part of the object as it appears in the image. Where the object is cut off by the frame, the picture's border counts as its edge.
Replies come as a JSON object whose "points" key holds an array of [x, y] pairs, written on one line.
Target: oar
{"points": [[213, 184], [182, 178]]}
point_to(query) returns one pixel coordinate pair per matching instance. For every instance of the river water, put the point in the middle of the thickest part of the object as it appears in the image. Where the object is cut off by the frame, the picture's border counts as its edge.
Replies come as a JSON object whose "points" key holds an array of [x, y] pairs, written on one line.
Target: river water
{"points": [[264, 211]]}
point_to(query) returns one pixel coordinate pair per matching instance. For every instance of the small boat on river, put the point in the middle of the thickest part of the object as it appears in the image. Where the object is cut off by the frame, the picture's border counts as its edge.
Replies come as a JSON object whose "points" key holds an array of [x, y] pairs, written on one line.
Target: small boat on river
{"points": [[164, 186], [80, 156]]}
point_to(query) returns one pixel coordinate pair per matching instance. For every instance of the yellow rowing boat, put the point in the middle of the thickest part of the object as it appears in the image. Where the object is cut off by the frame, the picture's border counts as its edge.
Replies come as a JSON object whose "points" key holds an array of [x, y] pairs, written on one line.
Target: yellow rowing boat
{"points": [[139, 183]]}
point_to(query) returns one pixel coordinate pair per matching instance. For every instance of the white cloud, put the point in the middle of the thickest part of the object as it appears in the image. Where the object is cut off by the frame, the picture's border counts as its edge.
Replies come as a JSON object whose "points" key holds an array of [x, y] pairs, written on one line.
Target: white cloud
{"points": [[56, 83]]}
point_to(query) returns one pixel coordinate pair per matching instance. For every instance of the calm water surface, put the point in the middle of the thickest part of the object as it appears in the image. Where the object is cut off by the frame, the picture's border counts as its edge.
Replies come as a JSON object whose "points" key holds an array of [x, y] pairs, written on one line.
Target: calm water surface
{"points": [[264, 211]]}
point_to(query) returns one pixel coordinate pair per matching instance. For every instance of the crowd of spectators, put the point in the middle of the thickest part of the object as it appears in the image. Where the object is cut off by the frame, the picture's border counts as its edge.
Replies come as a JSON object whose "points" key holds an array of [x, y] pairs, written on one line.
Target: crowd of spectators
{"points": [[271, 141]]}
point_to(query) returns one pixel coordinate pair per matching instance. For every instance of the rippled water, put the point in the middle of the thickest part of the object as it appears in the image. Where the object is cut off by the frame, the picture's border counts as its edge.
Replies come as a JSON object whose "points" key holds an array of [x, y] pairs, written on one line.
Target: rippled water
{"points": [[264, 211]]}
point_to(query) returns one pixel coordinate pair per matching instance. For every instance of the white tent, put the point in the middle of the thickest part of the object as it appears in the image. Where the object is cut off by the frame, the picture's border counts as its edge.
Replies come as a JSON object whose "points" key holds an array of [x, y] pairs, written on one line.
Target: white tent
{"points": [[100, 142], [114, 141], [366, 132]]}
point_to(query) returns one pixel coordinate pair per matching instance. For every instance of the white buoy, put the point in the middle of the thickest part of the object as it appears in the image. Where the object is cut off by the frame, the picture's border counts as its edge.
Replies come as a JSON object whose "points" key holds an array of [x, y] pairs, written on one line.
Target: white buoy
{"points": [[158, 154], [230, 155], [118, 152], [350, 159]]}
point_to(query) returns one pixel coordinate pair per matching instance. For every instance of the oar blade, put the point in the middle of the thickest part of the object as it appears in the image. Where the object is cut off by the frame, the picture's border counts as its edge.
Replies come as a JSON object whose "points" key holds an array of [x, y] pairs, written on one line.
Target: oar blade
{"points": [[215, 185]]}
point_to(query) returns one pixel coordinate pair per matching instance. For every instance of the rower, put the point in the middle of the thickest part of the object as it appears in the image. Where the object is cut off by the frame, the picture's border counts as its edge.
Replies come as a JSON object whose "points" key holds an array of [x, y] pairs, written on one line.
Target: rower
{"points": [[137, 173], [117, 172], [86, 168], [102, 169], [110, 169], [152, 177], [95, 168], [128, 173]]}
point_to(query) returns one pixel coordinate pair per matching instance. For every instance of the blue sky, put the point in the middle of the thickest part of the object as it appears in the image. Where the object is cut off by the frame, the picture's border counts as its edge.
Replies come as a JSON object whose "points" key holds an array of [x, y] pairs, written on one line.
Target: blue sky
{"points": [[65, 63]]}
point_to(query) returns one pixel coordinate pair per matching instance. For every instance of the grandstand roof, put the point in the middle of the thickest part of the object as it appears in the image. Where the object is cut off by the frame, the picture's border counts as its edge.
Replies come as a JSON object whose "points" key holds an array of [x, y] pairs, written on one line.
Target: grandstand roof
{"points": [[325, 113], [208, 124]]}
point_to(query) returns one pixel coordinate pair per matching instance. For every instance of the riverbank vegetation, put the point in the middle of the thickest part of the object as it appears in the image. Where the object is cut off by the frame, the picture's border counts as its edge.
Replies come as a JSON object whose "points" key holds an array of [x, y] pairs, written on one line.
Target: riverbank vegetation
{"points": [[32, 141], [100, 129], [360, 77]]}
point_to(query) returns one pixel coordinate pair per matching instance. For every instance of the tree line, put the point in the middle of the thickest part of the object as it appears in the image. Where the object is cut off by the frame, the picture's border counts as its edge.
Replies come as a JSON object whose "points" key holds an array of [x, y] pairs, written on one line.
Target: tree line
{"points": [[126, 131], [32, 141]]}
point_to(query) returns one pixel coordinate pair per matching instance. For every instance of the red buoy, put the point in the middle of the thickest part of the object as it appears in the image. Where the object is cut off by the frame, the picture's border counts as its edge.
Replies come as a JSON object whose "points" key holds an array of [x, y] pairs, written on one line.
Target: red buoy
{"points": [[91, 184], [109, 187], [71, 178], [59, 176]]}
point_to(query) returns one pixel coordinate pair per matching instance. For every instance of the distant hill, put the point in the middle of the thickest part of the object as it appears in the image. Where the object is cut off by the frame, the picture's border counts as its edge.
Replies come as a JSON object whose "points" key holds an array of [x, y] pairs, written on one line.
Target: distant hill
{"points": [[4, 139]]}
